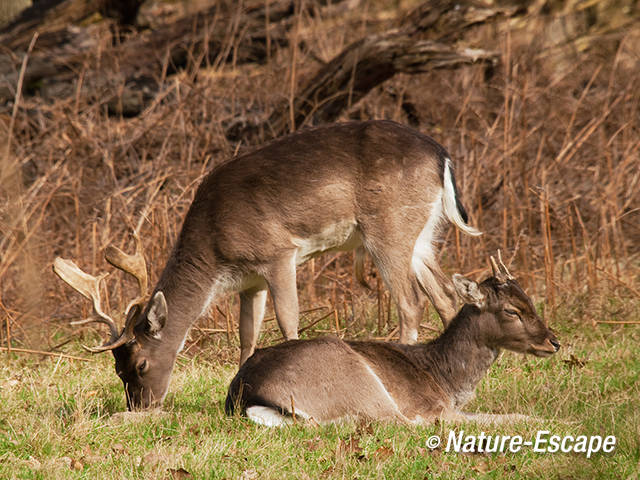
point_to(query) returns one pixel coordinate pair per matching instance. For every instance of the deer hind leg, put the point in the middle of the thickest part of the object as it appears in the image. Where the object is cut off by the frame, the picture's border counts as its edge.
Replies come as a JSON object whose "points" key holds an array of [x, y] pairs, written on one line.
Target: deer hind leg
{"points": [[437, 286], [411, 304], [424, 265], [252, 304], [393, 263], [281, 279]]}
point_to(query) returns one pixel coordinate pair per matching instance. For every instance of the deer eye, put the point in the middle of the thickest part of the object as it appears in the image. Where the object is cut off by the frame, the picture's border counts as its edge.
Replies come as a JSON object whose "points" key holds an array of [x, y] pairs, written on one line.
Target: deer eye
{"points": [[142, 366], [512, 313]]}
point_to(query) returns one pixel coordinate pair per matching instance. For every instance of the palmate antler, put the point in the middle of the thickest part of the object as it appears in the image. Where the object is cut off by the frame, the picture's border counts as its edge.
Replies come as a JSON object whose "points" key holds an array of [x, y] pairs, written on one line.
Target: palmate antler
{"points": [[132, 264], [500, 270], [89, 287]]}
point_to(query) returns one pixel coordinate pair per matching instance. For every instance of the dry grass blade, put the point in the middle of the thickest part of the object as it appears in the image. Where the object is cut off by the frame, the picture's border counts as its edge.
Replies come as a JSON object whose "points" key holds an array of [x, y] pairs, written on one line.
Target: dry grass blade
{"points": [[544, 143]]}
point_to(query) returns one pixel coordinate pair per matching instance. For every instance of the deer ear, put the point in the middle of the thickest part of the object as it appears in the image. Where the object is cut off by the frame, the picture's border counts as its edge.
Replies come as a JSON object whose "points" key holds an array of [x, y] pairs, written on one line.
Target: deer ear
{"points": [[468, 291], [157, 315]]}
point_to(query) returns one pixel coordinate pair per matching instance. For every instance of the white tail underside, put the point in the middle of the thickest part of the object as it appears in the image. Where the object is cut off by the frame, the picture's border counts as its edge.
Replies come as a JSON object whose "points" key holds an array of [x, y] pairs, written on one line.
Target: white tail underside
{"points": [[450, 206]]}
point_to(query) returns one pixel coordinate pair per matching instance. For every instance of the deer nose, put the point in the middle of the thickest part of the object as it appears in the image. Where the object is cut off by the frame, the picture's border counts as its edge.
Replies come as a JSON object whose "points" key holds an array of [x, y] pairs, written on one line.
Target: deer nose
{"points": [[555, 344]]}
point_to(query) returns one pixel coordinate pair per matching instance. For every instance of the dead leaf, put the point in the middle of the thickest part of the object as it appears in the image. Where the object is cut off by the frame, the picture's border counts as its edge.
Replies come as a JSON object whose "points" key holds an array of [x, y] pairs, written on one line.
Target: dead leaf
{"points": [[76, 464], [117, 448], [364, 427], [349, 447], [573, 361], [481, 467], [384, 452], [313, 444], [179, 473]]}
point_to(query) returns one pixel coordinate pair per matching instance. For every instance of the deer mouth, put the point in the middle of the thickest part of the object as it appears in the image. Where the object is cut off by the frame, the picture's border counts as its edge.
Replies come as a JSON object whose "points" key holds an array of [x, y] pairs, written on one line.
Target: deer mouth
{"points": [[548, 348]]}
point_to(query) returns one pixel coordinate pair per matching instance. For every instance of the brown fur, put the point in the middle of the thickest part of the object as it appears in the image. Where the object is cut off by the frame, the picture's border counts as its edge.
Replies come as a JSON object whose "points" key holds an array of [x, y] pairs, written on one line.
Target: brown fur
{"points": [[329, 379], [374, 183]]}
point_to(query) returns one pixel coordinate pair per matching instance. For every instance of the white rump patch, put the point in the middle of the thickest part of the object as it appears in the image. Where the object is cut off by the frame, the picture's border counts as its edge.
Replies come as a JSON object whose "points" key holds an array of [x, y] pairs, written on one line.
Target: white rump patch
{"points": [[270, 417], [267, 416], [423, 249]]}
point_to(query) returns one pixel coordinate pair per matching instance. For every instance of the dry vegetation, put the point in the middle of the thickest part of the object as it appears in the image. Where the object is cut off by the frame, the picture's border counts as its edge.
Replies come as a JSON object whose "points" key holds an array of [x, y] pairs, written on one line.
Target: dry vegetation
{"points": [[546, 141], [546, 144]]}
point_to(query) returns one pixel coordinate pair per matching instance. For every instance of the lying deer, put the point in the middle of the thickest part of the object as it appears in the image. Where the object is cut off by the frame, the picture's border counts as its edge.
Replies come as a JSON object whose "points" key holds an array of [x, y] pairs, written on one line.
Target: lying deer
{"points": [[375, 186], [327, 379]]}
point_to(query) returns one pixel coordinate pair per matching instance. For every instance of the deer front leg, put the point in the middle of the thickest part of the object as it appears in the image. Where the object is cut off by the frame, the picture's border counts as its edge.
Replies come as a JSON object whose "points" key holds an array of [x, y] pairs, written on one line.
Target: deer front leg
{"points": [[281, 279], [252, 303], [411, 304]]}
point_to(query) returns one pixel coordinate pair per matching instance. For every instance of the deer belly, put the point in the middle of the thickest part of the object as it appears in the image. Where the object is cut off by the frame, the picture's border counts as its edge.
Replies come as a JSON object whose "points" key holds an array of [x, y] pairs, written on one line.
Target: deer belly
{"points": [[341, 236]]}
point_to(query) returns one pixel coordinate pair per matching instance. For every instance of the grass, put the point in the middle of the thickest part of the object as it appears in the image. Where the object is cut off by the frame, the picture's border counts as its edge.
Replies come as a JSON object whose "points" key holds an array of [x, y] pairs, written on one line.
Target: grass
{"points": [[546, 150], [61, 418]]}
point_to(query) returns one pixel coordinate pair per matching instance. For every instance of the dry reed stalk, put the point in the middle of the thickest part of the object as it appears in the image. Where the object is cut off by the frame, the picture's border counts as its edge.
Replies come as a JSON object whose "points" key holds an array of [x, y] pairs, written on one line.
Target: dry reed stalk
{"points": [[548, 248], [13, 173], [311, 283], [591, 271], [619, 281], [314, 322], [574, 249], [7, 320], [267, 29], [388, 297], [617, 322], [297, 5], [302, 312], [229, 321], [391, 334], [41, 352], [506, 137], [524, 120]]}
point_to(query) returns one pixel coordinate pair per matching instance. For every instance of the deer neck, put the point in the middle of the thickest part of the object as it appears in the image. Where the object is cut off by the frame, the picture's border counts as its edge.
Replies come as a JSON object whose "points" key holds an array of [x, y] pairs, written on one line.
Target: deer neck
{"points": [[189, 291], [462, 355]]}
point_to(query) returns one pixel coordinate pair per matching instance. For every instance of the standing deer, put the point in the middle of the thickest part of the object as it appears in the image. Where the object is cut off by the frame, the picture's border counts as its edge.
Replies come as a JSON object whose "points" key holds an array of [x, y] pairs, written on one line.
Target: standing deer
{"points": [[327, 379], [374, 186]]}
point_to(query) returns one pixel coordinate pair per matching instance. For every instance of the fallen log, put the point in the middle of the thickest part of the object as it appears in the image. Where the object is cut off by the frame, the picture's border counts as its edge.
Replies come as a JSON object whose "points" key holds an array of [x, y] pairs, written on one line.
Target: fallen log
{"points": [[357, 70], [134, 70], [363, 65], [51, 18]]}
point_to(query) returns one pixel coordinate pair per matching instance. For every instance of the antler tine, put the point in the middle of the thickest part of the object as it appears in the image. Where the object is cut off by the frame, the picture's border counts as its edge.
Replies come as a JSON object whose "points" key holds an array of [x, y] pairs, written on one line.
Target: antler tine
{"points": [[133, 264], [504, 268], [127, 333], [496, 269], [89, 287]]}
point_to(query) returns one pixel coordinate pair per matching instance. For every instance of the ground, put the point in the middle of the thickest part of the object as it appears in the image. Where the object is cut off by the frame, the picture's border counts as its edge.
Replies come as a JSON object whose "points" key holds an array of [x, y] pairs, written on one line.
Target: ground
{"points": [[64, 418]]}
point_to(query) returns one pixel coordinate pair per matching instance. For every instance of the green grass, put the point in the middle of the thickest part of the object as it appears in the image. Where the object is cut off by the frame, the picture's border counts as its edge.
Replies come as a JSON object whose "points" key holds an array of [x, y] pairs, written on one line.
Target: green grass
{"points": [[63, 419]]}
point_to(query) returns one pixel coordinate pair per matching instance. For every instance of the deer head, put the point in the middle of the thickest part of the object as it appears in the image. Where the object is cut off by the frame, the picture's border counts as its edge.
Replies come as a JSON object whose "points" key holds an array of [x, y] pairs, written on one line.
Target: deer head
{"points": [[143, 367], [509, 317]]}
